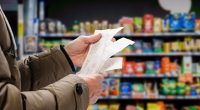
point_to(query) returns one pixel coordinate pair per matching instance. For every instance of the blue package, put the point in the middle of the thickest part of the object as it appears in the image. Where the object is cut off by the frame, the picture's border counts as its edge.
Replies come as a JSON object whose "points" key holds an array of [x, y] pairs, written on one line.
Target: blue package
{"points": [[125, 89], [175, 22], [188, 22], [157, 65]]}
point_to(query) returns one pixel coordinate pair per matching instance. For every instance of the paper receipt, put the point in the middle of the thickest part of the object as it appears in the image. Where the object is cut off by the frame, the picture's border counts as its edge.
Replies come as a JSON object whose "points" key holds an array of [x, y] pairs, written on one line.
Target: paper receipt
{"points": [[98, 58]]}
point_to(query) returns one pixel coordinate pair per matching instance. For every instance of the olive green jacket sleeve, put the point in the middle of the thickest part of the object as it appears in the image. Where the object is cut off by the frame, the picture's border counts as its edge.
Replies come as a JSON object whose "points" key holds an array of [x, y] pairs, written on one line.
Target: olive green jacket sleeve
{"points": [[43, 69]]}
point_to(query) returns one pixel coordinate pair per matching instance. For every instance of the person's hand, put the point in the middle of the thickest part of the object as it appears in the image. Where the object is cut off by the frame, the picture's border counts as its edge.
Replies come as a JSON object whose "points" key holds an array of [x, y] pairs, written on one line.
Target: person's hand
{"points": [[95, 85], [78, 48]]}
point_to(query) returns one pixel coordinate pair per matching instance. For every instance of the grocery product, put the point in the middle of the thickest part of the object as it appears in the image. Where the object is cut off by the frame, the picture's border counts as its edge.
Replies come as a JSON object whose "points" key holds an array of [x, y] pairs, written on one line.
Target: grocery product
{"points": [[157, 26], [138, 46], [139, 68], [147, 47], [175, 46], [128, 67], [138, 90], [165, 65], [125, 89], [165, 24], [130, 107], [197, 25], [157, 66], [106, 85], [157, 45], [114, 107], [175, 22], [153, 106], [150, 67], [187, 69], [102, 107], [151, 89], [188, 22], [137, 24], [114, 85], [166, 46], [181, 88], [148, 23]]}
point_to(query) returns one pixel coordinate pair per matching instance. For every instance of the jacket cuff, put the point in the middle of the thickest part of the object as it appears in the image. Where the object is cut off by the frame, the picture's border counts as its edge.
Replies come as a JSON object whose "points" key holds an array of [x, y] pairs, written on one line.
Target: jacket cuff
{"points": [[67, 57], [68, 95]]}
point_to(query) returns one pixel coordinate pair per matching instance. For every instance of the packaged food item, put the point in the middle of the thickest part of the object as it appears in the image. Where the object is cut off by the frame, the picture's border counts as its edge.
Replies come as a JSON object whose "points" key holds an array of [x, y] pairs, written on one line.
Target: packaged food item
{"points": [[149, 65], [138, 46], [76, 28], [181, 88], [105, 91], [130, 107], [151, 89], [127, 23], [114, 107], [173, 68], [197, 44], [157, 66], [51, 26], [128, 67], [104, 24], [138, 90], [165, 24], [147, 47], [125, 89], [197, 25], [140, 106], [137, 24], [82, 28], [157, 27], [174, 46], [186, 74], [114, 86], [102, 107], [175, 22], [139, 68], [165, 65], [87, 27], [188, 44], [148, 23], [153, 106], [166, 47], [188, 22], [157, 45], [42, 27]]}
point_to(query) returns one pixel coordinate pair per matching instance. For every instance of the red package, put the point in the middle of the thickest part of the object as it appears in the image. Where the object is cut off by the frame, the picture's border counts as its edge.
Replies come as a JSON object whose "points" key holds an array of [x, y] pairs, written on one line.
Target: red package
{"points": [[148, 23], [139, 68], [128, 67]]}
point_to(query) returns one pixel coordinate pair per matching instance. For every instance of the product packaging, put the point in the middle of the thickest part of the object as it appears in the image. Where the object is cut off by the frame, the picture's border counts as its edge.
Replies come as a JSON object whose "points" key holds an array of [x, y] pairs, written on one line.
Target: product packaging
{"points": [[138, 90], [188, 22], [148, 23], [137, 24], [157, 27], [139, 68], [106, 85], [197, 25], [114, 86], [125, 89], [175, 22]]}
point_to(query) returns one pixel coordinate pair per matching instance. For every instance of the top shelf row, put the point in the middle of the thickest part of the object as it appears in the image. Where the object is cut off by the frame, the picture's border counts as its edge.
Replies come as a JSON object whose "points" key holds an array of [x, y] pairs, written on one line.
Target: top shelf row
{"points": [[167, 34]]}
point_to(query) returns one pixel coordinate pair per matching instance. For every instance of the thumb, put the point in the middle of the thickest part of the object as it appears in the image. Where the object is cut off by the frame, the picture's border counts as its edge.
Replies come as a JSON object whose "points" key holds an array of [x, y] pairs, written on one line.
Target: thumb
{"points": [[92, 39]]}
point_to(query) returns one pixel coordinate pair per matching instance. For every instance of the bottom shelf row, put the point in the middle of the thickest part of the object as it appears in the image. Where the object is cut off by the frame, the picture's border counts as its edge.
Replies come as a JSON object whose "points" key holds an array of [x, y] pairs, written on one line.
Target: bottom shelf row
{"points": [[159, 105]]}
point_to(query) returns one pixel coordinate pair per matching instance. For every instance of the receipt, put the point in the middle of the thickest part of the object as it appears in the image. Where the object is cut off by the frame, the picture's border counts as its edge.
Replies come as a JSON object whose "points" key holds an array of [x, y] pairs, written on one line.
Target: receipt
{"points": [[98, 58]]}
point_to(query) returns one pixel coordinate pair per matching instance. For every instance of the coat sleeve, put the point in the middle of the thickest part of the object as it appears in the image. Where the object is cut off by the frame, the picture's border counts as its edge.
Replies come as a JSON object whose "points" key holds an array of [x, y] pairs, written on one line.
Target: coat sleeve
{"points": [[69, 93], [43, 69]]}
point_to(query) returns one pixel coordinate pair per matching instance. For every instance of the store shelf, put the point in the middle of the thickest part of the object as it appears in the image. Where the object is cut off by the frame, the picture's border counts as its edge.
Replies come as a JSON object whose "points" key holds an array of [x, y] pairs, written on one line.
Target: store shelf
{"points": [[146, 76], [147, 98], [179, 34], [160, 54]]}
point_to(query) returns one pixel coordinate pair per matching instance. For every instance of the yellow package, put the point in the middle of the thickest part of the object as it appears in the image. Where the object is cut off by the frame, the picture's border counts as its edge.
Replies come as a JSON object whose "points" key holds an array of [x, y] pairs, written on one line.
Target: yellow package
{"points": [[153, 106], [114, 107], [102, 107]]}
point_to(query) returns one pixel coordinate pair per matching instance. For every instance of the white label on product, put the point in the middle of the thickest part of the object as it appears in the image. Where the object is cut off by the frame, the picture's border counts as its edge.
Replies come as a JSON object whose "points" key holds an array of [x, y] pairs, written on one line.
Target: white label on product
{"points": [[100, 52]]}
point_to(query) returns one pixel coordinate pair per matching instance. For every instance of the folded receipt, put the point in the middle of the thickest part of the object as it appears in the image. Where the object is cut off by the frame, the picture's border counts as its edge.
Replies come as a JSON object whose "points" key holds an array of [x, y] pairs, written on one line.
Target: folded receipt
{"points": [[98, 58]]}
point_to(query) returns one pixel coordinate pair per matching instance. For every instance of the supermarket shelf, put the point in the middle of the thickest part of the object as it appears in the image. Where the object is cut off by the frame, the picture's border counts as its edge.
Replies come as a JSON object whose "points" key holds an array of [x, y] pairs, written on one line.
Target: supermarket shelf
{"points": [[147, 98], [146, 76], [179, 34], [160, 54]]}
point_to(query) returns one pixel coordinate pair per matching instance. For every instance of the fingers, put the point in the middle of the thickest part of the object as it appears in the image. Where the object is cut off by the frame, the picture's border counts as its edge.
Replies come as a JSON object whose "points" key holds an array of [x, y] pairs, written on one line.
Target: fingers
{"points": [[92, 39]]}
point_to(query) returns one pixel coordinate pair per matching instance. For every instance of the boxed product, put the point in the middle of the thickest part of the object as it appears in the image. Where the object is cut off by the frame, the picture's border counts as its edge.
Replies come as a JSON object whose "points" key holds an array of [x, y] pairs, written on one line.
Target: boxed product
{"points": [[188, 22], [114, 86], [105, 91], [125, 89], [197, 25], [175, 22], [138, 90], [128, 67], [139, 68], [114, 107]]}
